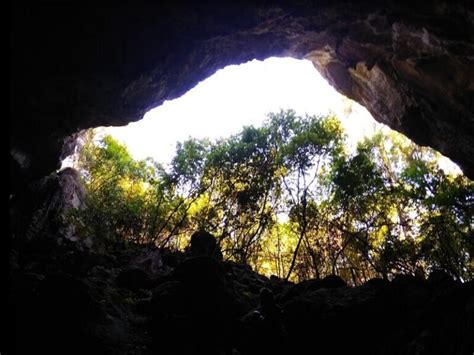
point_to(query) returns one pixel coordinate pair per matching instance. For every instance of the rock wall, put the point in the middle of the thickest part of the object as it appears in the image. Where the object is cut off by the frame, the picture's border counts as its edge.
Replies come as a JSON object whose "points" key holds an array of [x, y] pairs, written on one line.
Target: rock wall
{"points": [[85, 64], [41, 213]]}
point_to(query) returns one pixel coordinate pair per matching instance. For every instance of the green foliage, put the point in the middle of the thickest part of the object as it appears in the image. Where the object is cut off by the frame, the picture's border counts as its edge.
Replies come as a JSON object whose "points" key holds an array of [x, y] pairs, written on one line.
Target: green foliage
{"points": [[289, 200], [128, 201]]}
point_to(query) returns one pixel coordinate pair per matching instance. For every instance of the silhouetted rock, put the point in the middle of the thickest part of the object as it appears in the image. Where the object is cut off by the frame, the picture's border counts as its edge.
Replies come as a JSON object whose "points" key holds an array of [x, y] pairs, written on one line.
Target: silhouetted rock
{"points": [[332, 281], [204, 244]]}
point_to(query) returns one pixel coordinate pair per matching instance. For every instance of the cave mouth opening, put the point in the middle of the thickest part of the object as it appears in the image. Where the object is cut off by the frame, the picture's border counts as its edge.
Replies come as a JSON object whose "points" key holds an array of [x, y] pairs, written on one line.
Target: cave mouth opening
{"points": [[262, 214], [238, 96], [242, 95]]}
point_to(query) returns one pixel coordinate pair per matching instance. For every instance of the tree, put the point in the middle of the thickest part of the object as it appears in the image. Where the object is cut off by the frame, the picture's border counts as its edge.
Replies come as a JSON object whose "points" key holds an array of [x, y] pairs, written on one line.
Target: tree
{"points": [[127, 200], [237, 204], [308, 145], [391, 195], [288, 199]]}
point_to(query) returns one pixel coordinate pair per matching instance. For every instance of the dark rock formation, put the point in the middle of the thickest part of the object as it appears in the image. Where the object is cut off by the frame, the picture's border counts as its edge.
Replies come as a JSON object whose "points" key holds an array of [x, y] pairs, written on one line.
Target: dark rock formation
{"points": [[46, 208], [204, 244], [73, 302], [85, 64], [199, 304]]}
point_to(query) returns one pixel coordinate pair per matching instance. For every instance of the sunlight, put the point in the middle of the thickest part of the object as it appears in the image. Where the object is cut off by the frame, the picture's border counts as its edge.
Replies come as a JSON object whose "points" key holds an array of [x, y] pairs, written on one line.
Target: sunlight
{"points": [[240, 95], [236, 96]]}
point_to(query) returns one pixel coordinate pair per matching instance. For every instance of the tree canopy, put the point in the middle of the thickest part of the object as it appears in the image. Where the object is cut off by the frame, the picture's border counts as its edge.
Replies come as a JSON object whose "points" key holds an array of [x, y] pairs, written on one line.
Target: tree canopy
{"points": [[288, 199]]}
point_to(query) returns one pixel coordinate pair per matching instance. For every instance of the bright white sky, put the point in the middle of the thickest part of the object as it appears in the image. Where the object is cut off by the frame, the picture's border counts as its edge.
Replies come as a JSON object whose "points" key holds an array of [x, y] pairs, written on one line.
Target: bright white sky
{"points": [[236, 96]]}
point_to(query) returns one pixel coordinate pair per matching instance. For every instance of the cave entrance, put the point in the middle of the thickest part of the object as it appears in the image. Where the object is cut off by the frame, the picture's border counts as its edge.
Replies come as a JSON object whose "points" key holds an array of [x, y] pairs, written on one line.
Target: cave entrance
{"points": [[238, 96], [242, 155]]}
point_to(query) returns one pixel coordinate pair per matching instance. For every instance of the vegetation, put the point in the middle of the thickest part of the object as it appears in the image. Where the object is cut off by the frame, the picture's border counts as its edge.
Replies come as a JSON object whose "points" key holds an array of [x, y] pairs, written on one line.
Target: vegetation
{"points": [[289, 200]]}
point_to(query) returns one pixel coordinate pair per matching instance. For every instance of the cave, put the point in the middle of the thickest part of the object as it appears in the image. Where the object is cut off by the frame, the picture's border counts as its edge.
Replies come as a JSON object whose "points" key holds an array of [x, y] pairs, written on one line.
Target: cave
{"points": [[77, 65]]}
